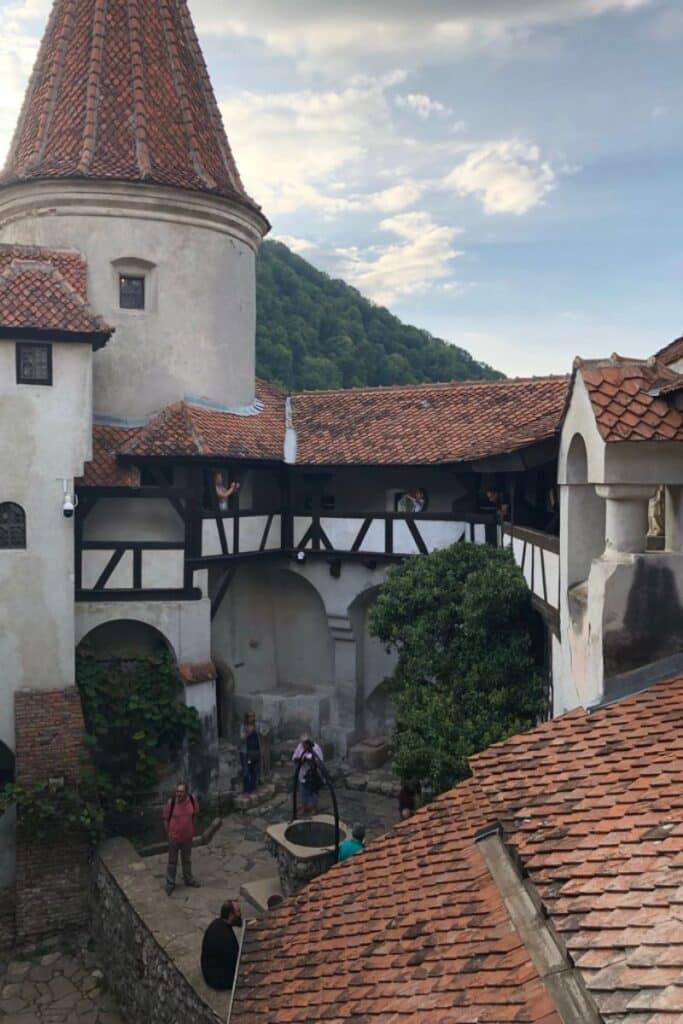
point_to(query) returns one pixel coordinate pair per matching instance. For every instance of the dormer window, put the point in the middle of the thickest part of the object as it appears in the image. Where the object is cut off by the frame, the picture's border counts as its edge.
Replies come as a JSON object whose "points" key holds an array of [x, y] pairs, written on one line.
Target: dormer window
{"points": [[131, 291], [34, 363]]}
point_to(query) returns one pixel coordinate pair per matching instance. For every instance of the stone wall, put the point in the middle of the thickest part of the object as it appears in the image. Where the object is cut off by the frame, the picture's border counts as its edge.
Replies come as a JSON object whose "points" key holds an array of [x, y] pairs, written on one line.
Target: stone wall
{"points": [[149, 948], [52, 874]]}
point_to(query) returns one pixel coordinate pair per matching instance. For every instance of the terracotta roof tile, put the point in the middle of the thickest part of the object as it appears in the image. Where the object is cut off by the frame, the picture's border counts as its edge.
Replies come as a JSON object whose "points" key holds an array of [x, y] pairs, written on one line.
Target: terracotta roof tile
{"points": [[121, 92], [435, 944], [44, 290], [624, 393], [429, 423], [104, 470], [183, 429], [671, 353], [593, 806]]}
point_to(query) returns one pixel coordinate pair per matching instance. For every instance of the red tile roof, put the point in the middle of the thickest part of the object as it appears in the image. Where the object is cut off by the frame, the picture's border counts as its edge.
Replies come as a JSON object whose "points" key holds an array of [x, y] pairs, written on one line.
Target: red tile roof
{"points": [[121, 91], [413, 930], [623, 394], [104, 470], [44, 290], [671, 353], [593, 803], [429, 423], [184, 429]]}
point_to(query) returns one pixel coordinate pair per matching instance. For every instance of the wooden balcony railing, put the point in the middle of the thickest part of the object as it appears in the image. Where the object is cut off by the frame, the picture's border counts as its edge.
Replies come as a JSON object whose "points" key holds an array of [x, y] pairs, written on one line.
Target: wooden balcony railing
{"points": [[538, 556]]}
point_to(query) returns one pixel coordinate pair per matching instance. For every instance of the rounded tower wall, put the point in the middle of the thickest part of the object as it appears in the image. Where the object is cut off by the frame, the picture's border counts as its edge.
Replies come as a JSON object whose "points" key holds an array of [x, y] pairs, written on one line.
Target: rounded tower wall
{"points": [[195, 337]]}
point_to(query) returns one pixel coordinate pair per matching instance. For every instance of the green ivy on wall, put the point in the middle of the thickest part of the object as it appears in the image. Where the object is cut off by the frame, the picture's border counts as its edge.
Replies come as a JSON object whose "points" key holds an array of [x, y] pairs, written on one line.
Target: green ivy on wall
{"points": [[136, 724]]}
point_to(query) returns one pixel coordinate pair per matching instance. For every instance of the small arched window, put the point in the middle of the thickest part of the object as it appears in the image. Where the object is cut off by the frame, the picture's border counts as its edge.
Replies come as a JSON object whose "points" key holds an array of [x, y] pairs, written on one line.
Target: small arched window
{"points": [[12, 525]]}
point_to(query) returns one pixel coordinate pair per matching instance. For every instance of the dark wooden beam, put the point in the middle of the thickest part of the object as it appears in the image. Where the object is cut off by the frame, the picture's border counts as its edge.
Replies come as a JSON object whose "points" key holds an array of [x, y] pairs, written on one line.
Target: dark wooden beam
{"points": [[109, 568]]}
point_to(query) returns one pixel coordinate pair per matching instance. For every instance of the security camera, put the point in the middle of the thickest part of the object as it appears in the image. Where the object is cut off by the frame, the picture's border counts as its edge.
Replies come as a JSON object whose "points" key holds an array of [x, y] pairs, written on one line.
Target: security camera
{"points": [[70, 500]]}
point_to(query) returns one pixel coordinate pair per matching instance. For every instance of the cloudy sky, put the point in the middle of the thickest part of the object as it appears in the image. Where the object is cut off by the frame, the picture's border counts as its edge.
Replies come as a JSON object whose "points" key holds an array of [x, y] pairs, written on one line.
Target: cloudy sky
{"points": [[505, 173]]}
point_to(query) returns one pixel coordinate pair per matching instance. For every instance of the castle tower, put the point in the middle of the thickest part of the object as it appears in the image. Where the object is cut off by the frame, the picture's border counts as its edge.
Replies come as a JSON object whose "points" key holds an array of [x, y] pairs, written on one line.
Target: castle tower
{"points": [[120, 153]]}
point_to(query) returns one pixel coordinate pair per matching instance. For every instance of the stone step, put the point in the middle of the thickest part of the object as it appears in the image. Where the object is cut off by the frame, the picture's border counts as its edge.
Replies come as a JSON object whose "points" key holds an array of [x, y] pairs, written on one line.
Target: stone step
{"points": [[247, 801]]}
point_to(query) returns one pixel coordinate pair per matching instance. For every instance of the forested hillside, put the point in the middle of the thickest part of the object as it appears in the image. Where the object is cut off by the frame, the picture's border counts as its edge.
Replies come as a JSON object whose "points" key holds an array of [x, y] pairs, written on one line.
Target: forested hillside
{"points": [[315, 333]]}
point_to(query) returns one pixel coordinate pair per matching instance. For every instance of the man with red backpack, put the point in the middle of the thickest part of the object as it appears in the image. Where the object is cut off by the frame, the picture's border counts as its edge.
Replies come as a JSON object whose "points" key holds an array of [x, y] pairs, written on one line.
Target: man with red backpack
{"points": [[179, 817]]}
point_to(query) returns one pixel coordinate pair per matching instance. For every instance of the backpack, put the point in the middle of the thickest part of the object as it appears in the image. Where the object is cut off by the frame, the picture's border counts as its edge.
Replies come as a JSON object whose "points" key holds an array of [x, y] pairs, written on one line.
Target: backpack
{"points": [[313, 778], [172, 807]]}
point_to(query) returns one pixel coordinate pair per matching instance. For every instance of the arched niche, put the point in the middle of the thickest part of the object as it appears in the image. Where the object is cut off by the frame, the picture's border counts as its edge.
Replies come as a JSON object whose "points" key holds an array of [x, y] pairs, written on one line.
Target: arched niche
{"points": [[583, 515], [12, 525], [271, 629], [374, 664], [127, 639]]}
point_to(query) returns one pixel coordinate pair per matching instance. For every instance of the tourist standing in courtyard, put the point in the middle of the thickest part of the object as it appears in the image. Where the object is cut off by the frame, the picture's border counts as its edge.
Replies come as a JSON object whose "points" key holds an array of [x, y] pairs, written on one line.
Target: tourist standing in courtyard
{"points": [[179, 817], [250, 752], [308, 755], [220, 948]]}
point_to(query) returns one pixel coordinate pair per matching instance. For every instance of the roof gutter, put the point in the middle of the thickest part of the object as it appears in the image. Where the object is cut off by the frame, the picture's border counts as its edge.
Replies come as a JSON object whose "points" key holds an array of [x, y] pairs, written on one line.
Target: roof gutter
{"points": [[563, 982]]}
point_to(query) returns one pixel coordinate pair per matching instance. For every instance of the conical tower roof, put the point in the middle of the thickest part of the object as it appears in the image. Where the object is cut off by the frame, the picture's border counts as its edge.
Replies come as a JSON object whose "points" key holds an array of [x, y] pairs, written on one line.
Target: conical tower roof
{"points": [[120, 92]]}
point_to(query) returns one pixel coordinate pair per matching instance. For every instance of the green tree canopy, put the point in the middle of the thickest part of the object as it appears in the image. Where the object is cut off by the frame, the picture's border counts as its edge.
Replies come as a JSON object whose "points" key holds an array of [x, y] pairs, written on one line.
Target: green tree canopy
{"points": [[315, 333], [462, 624]]}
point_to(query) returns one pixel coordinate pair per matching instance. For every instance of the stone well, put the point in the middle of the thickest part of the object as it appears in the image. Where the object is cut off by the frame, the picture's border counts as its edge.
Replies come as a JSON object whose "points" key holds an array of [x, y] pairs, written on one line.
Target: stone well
{"points": [[303, 848]]}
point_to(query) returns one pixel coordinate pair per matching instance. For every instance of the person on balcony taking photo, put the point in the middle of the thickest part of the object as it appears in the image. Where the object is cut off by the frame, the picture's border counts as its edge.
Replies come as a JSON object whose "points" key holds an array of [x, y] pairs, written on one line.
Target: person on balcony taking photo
{"points": [[414, 500], [224, 493]]}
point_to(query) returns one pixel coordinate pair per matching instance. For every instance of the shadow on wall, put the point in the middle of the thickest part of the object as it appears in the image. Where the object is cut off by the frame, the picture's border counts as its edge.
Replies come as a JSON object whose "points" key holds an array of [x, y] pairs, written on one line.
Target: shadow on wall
{"points": [[652, 626], [374, 664]]}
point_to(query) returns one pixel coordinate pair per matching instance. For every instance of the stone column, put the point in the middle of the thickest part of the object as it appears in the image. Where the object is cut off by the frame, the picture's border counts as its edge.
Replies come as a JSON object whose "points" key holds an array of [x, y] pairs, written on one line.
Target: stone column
{"points": [[674, 519], [626, 507], [344, 724]]}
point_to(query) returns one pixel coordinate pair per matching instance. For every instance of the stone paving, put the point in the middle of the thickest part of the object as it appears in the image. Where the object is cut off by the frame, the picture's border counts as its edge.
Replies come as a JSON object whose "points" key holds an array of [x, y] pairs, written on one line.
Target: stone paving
{"points": [[237, 853], [59, 987], [63, 987]]}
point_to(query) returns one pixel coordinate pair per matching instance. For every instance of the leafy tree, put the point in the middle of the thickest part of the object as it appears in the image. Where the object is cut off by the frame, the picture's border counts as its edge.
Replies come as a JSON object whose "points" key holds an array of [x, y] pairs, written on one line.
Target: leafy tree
{"points": [[313, 332], [461, 621]]}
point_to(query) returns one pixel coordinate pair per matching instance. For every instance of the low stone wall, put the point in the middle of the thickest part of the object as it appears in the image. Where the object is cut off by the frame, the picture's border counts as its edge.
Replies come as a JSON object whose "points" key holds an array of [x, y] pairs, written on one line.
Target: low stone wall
{"points": [[149, 948]]}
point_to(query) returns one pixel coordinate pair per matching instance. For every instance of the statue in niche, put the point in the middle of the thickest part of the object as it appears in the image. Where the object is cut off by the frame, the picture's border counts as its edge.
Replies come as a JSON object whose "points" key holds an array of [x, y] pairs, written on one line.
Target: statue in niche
{"points": [[655, 520]]}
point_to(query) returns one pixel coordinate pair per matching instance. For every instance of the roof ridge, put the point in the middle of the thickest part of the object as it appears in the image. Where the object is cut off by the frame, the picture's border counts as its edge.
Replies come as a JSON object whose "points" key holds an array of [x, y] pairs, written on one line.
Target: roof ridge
{"points": [[383, 388], [137, 82], [92, 87]]}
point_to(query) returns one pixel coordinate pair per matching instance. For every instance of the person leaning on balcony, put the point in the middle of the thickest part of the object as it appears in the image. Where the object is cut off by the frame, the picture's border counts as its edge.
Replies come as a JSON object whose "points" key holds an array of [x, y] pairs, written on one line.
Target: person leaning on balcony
{"points": [[412, 501], [179, 817], [223, 493]]}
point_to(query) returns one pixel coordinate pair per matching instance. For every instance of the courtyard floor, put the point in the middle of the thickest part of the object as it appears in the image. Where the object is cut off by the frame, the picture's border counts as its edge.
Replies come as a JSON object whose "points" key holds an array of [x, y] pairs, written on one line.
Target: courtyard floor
{"points": [[237, 852], [59, 987], [65, 987]]}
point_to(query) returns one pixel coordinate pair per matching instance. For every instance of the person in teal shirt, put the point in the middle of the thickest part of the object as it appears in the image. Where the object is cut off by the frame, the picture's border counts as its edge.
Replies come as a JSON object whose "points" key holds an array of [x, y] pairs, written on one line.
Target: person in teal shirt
{"points": [[354, 845]]}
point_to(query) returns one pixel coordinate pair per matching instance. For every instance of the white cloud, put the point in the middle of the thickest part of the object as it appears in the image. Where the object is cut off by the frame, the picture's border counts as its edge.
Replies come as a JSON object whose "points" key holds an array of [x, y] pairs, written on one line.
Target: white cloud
{"points": [[507, 176], [18, 48], [297, 245], [422, 257], [312, 150], [423, 106], [349, 32]]}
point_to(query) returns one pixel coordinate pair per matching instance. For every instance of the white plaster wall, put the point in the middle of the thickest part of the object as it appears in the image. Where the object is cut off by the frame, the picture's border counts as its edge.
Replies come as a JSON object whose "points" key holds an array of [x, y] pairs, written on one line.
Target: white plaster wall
{"points": [[133, 519], [196, 338], [342, 533], [251, 534], [185, 624], [44, 434]]}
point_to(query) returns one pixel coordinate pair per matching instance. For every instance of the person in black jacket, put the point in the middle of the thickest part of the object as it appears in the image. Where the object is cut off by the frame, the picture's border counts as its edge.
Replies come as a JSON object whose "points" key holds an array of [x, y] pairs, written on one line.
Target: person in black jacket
{"points": [[220, 948]]}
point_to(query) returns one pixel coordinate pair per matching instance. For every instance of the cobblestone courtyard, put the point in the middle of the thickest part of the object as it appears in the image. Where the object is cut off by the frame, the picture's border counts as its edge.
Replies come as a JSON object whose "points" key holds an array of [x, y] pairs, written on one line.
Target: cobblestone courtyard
{"points": [[55, 988], [66, 987]]}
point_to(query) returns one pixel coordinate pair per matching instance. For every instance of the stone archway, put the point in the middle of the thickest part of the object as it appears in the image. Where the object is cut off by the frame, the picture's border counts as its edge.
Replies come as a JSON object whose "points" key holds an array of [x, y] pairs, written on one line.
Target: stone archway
{"points": [[373, 665]]}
